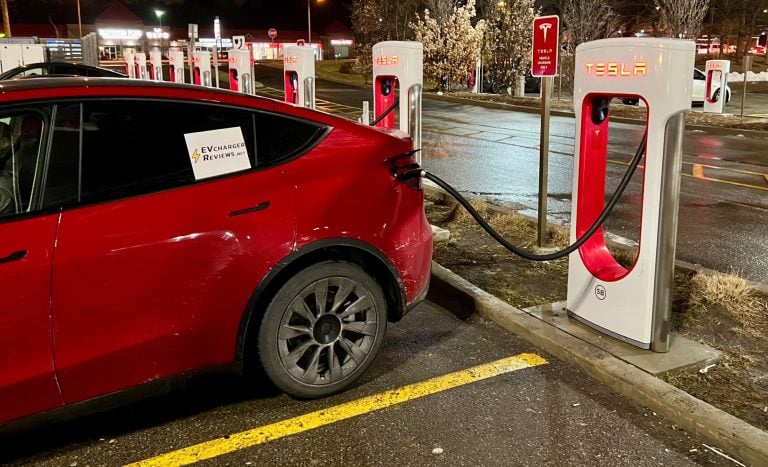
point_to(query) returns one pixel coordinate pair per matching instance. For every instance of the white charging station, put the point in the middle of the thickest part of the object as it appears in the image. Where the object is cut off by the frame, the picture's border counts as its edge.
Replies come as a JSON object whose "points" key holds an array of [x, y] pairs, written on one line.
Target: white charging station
{"points": [[240, 71], [299, 72], [140, 62], [202, 71], [398, 73], [155, 65], [176, 66], [130, 64], [11, 56], [633, 304], [716, 72]]}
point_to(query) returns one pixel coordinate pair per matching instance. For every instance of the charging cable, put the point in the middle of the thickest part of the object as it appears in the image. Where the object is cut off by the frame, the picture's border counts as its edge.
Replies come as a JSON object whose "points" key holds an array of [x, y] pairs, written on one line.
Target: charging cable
{"points": [[415, 171]]}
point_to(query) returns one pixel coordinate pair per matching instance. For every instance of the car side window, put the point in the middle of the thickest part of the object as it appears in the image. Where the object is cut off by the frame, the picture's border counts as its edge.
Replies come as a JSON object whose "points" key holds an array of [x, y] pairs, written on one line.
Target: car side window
{"points": [[698, 75], [37, 71], [279, 137], [132, 147], [21, 136]]}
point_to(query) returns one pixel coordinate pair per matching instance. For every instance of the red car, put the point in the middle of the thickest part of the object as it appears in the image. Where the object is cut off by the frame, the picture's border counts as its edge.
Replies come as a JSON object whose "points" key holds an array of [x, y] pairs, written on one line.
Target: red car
{"points": [[149, 231]]}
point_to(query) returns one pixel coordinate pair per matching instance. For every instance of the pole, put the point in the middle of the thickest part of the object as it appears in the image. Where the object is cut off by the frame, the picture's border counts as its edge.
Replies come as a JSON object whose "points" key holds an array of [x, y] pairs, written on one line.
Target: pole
{"points": [[546, 90], [747, 67], [6, 19], [309, 24], [79, 19]]}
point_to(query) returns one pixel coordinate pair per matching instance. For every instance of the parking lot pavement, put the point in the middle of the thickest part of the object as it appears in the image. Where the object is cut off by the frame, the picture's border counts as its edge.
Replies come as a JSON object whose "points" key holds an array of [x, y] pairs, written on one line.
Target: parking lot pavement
{"points": [[539, 412]]}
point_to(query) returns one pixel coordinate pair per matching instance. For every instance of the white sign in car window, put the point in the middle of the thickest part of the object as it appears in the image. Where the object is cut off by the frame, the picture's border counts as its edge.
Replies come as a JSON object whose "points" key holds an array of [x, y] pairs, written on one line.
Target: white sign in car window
{"points": [[217, 152]]}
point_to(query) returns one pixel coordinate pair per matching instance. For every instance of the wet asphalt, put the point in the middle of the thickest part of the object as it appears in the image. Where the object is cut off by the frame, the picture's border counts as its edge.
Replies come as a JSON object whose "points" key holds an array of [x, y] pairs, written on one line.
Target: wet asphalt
{"points": [[545, 415]]}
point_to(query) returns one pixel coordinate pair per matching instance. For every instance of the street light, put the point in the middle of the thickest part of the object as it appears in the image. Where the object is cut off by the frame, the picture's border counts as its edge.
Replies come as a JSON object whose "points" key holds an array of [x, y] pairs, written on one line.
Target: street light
{"points": [[309, 21], [159, 13]]}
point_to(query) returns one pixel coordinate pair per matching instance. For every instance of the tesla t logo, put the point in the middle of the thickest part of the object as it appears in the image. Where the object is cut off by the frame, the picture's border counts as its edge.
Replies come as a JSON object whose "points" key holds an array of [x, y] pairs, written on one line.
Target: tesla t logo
{"points": [[616, 69], [544, 28], [195, 156]]}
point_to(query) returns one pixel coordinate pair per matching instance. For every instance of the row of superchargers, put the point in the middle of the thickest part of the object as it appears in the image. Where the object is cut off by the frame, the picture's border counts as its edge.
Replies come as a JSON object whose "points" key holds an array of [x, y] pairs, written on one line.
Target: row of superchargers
{"points": [[632, 303]]}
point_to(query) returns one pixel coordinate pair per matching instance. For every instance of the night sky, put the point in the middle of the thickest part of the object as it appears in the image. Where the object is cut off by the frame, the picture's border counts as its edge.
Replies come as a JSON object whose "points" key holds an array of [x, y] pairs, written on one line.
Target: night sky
{"points": [[257, 14]]}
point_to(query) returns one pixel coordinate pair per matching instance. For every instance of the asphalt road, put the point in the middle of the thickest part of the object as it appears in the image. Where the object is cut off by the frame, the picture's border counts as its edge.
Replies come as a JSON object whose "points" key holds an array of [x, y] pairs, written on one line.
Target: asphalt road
{"points": [[550, 414]]}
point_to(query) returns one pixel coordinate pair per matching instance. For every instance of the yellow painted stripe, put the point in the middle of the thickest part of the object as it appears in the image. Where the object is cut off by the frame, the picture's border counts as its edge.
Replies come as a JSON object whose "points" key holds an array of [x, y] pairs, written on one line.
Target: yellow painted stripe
{"points": [[698, 171], [310, 421], [708, 179]]}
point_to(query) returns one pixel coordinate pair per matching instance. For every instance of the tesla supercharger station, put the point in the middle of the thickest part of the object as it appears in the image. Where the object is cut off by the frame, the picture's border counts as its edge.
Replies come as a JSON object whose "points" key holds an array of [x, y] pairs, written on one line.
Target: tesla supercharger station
{"points": [[398, 73], [176, 66], [299, 72], [201, 75], [140, 61], [240, 71], [633, 304], [716, 72], [130, 64], [155, 65]]}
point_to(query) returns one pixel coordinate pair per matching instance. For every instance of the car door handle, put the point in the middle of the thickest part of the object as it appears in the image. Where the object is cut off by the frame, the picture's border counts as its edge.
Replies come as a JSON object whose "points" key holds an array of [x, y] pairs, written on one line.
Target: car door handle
{"points": [[15, 256], [259, 207]]}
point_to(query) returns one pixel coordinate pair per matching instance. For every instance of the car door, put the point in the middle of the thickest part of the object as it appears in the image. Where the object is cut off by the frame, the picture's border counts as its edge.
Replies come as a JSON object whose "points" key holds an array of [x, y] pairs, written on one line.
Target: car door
{"points": [[27, 238], [154, 269]]}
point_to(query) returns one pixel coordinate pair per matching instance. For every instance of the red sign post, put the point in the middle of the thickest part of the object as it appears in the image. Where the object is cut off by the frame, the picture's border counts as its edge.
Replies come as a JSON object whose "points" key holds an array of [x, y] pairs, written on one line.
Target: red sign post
{"points": [[546, 45]]}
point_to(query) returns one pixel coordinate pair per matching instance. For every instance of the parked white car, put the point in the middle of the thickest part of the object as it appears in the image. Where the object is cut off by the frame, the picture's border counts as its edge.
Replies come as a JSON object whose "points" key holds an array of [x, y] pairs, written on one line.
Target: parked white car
{"points": [[697, 94]]}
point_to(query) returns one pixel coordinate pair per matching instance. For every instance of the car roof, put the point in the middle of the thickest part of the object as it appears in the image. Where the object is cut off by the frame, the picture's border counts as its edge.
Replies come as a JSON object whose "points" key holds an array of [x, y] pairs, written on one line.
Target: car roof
{"points": [[69, 81], [100, 87], [81, 66]]}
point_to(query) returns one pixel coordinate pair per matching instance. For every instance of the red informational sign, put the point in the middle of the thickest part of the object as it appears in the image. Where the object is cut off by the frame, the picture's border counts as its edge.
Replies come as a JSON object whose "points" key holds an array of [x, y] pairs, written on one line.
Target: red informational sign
{"points": [[272, 33], [546, 45]]}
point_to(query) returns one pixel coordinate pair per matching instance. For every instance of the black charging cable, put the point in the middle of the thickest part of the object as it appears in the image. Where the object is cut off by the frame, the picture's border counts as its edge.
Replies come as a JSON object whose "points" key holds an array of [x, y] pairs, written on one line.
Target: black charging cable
{"points": [[412, 172], [386, 112]]}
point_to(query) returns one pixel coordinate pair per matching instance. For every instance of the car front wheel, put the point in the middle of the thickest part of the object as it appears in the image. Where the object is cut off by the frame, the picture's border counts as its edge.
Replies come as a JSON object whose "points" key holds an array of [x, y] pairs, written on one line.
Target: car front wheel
{"points": [[323, 328]]}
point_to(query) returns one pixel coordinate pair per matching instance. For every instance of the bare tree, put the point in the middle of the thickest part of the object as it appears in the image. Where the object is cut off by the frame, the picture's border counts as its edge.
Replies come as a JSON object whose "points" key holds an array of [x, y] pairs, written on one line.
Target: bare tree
{"points": [[507, 48], [682, 18], [588, 20], [450, 47]]}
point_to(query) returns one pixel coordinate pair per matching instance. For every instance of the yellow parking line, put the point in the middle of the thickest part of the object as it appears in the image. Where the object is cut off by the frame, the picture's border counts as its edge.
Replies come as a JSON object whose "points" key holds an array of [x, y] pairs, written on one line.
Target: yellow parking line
{"points": [[310, 421]]}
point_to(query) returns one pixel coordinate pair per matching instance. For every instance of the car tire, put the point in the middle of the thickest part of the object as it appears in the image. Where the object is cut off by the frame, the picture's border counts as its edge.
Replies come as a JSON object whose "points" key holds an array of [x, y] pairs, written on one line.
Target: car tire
{"points": [[322, 329]]}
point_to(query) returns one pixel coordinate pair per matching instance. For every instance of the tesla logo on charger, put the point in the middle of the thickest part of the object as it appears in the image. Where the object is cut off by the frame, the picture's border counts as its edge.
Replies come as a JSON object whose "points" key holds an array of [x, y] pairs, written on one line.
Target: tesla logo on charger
{"points": [[616, 69], [387, 60]]}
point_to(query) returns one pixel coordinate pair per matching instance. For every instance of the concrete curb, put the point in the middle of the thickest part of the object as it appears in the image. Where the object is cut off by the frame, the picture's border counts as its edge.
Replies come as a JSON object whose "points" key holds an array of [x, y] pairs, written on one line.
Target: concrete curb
{"points": [[560, 113], [717, 427]]}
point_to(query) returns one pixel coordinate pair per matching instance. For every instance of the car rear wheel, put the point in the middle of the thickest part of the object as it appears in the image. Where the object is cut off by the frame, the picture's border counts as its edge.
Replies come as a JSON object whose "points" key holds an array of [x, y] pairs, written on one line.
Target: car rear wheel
{"points": [[322, 330]]}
